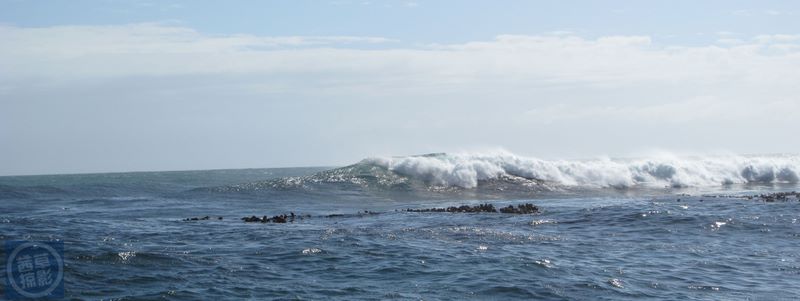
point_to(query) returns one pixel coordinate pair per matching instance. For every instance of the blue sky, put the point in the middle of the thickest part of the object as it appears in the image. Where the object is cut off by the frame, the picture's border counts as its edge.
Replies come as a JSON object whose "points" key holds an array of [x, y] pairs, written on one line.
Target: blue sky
{"points": [[91, 86], [683, 22]]}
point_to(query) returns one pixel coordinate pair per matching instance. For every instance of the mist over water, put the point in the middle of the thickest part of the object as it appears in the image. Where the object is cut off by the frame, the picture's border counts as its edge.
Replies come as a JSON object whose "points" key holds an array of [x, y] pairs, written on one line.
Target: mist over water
{"points": [[665, 227]]}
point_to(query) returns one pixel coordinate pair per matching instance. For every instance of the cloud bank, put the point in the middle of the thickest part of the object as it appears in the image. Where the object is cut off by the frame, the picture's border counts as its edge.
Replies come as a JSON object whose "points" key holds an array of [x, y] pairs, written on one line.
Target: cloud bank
{"points": [[153, 49], [544, 95]]}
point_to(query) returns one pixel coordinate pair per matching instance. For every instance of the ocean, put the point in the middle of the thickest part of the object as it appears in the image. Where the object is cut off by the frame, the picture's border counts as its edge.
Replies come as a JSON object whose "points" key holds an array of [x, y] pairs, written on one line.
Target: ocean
{"points": [[658, 228]]}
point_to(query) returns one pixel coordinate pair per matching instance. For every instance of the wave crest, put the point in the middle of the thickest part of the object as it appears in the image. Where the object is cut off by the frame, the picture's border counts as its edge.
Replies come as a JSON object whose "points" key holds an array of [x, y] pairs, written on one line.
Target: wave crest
{"points": [[468, 170], [503, 172]]}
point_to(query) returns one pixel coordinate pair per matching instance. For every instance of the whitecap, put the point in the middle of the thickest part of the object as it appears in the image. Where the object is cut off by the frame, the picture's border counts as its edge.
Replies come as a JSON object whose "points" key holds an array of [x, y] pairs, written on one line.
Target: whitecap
{"points": [[311, 251], [615, 283], [124, 256]]}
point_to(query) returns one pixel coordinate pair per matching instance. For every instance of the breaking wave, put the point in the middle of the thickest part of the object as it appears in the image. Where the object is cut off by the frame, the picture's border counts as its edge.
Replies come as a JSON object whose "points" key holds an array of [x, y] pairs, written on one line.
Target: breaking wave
{"points": [[501, 170], [468, 170]]}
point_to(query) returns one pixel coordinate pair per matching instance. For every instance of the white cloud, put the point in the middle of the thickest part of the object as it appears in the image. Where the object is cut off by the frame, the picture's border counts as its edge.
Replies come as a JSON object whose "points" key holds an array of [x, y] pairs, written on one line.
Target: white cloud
{"points": [[346, 93], [742, 13], [153, 49], [561, 33], [695, 109], [148, 38], [773, 12], [730, 41], [777, 38], [339, 64]]}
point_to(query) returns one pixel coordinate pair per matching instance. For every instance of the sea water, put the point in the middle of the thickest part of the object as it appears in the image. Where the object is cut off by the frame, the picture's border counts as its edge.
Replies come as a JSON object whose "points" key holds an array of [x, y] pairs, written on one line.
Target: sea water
{"points": [[653, 228]]}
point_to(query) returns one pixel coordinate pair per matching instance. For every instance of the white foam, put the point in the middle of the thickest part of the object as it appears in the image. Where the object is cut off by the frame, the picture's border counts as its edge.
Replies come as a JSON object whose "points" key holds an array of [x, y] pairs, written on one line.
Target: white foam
{"points": [[467, 169]]}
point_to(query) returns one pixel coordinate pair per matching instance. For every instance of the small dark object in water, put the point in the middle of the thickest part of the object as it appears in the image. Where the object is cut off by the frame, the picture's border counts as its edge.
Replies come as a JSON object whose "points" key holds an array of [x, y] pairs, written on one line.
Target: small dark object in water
{"points": [[764, 197], [509, 209], [520, 209], [252, 219], [198, 218], [283, 218], [279, 219], [489, 208]]}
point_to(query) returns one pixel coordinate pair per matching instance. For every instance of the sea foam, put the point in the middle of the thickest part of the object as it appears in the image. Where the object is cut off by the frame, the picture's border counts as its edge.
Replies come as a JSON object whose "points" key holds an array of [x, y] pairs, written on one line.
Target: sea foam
{"points": [[466, 170]]}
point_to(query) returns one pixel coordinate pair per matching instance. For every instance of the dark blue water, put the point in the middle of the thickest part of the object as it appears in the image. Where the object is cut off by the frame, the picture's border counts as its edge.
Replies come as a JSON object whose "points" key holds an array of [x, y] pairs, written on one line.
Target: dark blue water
{"points": [[125, 239]]}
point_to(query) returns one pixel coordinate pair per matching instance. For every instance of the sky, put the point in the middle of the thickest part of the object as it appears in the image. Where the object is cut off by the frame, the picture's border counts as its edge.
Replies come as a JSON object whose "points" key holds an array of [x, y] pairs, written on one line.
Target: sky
{"points": [[116, 85]]}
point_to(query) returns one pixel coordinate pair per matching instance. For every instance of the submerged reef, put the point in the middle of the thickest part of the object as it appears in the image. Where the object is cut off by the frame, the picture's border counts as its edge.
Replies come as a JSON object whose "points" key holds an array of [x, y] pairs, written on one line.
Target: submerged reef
{"points": [[764, 197], [482, 208], [526, 208], [205, 218], [519, 209], [280, 219]]}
